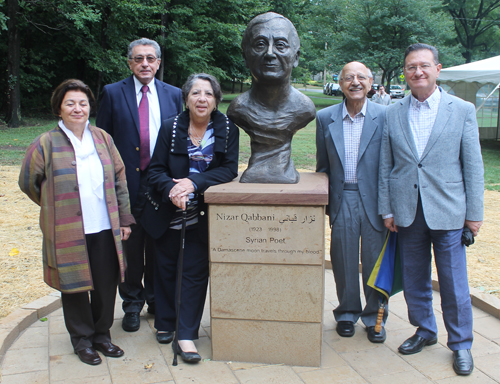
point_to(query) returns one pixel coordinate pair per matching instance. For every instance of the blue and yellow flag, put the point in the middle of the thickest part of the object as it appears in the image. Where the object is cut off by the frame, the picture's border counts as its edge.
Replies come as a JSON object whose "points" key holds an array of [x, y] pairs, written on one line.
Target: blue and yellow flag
{"points": [[386, 276]]}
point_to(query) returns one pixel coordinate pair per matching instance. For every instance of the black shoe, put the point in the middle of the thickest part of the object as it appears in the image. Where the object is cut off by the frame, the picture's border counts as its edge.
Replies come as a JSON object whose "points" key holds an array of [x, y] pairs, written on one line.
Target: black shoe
{"points": [[345, 328], [109, 349], [415, 344], [188, 357], [164, 337], [462, 362], [89, 356], [131, 322], [376, 337]]}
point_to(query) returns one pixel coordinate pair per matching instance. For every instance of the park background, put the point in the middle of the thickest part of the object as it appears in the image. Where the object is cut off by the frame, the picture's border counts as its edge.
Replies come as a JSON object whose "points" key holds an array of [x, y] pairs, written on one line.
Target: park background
{"points": [[46, 41]]}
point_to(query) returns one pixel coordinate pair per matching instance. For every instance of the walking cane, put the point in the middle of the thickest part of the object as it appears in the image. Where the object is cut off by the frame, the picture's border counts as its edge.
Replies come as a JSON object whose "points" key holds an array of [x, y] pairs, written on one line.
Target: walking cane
{"points": [[179, 283]]}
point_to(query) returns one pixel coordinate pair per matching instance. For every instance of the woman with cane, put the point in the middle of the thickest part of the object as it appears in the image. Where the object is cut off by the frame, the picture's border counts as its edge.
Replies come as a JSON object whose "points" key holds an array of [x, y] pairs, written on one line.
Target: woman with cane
{"points": [[195, 150]]}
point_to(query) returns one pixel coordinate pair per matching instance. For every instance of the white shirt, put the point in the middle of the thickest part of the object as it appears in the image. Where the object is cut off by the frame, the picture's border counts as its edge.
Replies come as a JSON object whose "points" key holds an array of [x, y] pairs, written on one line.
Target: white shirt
{"points": [[90, 177], [352, 136], [154, 111], [421, 116]]}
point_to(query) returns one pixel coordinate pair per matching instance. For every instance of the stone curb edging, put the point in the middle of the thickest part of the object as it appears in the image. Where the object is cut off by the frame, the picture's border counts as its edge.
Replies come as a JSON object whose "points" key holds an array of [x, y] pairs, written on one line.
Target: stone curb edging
{"points": [[12, 325]]}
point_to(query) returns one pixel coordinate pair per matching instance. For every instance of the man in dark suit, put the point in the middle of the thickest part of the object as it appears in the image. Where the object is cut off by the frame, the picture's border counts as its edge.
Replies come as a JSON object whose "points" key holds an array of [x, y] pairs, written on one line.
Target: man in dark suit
{"points": [[348, 146], [131, 111], [431, 185]]}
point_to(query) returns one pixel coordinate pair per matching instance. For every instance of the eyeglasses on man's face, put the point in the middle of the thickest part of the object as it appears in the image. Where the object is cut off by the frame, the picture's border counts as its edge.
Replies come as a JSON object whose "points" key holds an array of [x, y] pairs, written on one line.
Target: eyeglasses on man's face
{"points": [[424, 67], [139, 59], [350, 78]]}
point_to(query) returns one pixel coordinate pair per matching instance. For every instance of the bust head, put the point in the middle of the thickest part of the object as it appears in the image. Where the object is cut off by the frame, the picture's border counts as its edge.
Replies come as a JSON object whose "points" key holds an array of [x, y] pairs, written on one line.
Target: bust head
{"points": [[271, 48]]}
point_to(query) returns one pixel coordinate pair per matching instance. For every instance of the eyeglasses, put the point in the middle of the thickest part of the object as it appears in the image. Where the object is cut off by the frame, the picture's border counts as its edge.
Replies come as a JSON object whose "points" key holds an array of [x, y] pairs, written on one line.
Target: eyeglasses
{"points": [[423, 67], [140, 59], [350, 78]]}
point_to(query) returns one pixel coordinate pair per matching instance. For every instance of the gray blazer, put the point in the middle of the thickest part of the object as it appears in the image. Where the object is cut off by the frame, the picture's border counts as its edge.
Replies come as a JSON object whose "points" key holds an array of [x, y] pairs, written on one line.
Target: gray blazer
{"points": [[330, 158], [449, 176]]}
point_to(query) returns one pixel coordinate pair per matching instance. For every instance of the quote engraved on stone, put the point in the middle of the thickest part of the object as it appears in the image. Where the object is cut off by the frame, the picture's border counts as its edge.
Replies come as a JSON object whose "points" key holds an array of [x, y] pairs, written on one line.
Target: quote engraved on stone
{"points": [[250, 233]]}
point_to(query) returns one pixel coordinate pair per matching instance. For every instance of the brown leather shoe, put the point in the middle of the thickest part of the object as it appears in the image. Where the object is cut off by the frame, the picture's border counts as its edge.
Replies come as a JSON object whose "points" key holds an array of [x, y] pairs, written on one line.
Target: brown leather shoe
{"points": [[109, 349], [89, 356]]}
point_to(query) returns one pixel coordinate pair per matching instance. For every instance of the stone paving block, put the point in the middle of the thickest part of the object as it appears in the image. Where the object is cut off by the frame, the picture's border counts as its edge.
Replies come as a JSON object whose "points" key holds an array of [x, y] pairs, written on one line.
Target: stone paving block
{"points": [[139, 368], [21, 318], [237, 365], [478, 313], [483, 346], [348, 344], [277, 293], [44, 305], [329, 359], [399, 308], [269, 342], [203, 373], [58, 312], [60, 344], [276, 374], [375, 362], [489, 364], [37, 377], [476, 377], [488, 327], [16, 361], [85, 380], [69, 367], [33, 337], [435, 362], [395, 323], [7, 338], [408, 377], [57, 325], [343, 374]]}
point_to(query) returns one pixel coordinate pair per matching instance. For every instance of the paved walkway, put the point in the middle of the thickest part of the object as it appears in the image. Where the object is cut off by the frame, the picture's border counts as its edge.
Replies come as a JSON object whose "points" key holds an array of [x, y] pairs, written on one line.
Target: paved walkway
{"points": [[43, 354]]}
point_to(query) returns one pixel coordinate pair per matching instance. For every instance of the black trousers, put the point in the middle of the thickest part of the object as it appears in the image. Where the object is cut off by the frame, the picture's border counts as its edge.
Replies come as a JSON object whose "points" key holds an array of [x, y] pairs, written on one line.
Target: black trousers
{"points": [[194, 282], [89, 315], [139, 252]]}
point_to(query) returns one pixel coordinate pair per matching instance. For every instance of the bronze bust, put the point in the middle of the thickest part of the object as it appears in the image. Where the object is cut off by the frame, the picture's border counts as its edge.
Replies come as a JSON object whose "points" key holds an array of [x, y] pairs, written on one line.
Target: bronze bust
{"points": [[272, 110]]}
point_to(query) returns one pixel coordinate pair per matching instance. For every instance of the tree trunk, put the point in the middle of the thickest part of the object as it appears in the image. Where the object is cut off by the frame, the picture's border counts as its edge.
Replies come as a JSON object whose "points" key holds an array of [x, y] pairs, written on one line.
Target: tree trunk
{"points": [[234, 84], [164, 22], [13, 64], [241, 86]]}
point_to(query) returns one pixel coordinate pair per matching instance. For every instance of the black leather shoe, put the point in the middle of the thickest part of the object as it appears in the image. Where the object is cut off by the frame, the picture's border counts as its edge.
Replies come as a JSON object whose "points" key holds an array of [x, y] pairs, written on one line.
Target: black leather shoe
{"points": [[89, 356], [109, 349], [188, 357], [415, 344], [131, 322], [164, 337], [376, 337], [462, 362], [345, 328]]}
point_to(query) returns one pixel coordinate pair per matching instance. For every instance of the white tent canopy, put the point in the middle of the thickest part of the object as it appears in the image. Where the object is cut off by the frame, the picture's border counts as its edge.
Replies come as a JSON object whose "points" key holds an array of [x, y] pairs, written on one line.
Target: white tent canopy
{"points": [[467, 79], [482, 71]]}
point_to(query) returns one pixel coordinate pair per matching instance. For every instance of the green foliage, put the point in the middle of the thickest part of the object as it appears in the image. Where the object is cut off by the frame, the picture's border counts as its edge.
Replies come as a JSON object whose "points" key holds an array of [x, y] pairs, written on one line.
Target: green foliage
{"points": [[477, 26]]}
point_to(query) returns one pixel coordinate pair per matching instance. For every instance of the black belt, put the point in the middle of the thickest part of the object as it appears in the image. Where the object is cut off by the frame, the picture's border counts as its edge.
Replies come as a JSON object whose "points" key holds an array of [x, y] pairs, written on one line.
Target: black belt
{"points": [[351, 186]]}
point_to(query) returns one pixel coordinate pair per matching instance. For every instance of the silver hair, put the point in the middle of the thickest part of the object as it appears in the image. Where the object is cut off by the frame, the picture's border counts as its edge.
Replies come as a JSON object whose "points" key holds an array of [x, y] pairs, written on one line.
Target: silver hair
{"points": [[370, 75], [144, 41]]}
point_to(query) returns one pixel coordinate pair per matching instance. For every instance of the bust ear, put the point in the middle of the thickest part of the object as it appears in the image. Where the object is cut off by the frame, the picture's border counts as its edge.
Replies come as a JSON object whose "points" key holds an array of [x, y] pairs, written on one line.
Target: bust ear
{"points": [[296, 61]]}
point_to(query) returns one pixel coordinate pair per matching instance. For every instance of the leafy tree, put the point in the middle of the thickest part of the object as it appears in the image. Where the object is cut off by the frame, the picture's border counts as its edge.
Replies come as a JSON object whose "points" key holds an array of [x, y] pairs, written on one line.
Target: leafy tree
{"points": [[377, 32], [477, 24]]}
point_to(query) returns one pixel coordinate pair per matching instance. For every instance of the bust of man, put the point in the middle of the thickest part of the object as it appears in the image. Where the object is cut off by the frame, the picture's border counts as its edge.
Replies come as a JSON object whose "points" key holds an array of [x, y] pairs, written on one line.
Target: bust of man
{"points": [[272, 110]]}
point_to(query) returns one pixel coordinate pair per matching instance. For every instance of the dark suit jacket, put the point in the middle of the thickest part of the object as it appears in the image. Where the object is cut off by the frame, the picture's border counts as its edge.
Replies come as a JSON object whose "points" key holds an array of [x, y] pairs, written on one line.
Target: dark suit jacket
{"points": [[330, 156], [119, 116], [171, 160]]}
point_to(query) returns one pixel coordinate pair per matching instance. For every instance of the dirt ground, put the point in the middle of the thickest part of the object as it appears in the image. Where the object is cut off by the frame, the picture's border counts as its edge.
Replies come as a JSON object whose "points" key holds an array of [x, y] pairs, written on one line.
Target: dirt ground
{"points": [[21, 279]]}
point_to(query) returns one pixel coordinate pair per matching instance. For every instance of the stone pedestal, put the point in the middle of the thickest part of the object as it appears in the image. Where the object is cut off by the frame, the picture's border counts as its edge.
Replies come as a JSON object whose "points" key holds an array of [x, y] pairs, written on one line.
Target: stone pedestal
{"points": [[267, 270]]}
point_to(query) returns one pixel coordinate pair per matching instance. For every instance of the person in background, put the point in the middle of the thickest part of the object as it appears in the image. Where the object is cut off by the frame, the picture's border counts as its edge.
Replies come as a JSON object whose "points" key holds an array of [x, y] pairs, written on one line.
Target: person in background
{"points": [[348, 147], [381, 97], [131, 111], [431, 186], [195, 150], [75, 174]]}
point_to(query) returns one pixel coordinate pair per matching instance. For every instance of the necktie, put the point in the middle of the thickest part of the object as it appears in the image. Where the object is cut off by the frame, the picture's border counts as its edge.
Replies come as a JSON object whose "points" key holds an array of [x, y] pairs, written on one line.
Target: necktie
{"points": [[144, 128]]}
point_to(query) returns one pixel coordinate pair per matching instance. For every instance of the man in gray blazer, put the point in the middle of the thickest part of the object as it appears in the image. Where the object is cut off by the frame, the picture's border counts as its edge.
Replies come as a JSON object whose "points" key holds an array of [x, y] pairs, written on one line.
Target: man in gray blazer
{"points": [[348, 137], [430, 186]]}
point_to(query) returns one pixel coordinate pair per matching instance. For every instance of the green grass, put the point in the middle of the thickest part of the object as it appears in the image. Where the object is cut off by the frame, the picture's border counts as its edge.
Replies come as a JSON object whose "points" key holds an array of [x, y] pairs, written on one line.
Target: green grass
{"points": [[14, 141]]}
